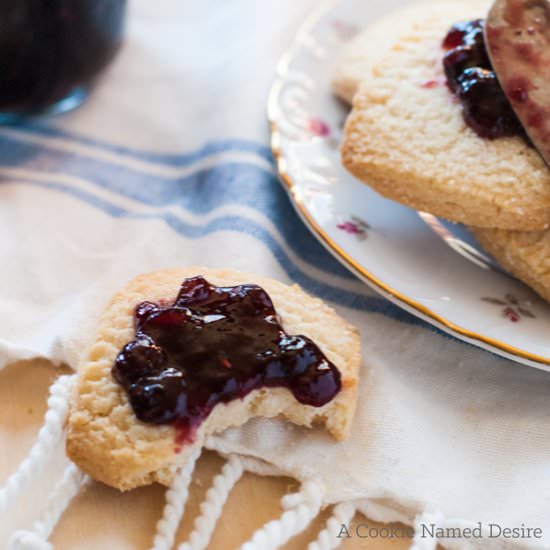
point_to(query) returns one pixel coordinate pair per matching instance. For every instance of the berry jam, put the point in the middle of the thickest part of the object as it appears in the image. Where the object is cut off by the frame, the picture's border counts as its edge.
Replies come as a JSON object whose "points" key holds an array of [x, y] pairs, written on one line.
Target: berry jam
{"points": [[50, 47], [470, 76], [214, 345]]}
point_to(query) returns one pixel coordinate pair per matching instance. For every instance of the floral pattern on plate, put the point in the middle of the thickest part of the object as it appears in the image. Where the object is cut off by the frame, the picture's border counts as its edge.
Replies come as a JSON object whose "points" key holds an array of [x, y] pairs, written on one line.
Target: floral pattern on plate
{"points": [[355, 226], [513, 308], [403, 259]]}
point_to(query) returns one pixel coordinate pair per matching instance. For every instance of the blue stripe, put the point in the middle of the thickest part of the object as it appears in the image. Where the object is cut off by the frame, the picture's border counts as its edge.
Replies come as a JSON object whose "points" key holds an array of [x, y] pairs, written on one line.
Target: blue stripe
{"points": [[361, 302], [174, 159], [229, 183]]}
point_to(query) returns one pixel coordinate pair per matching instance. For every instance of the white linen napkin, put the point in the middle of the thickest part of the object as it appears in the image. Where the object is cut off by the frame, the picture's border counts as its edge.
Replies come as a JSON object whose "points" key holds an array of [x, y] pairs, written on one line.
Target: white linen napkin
{"points": [[168, 165]]}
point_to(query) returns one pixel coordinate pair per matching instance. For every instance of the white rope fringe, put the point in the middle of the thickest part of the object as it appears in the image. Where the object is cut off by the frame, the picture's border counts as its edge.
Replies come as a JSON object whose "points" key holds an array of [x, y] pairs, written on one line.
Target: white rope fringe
{"points": [[301, 508], [328, 539], [176, 498], [63, 493], [48, 437], [211, 507]]}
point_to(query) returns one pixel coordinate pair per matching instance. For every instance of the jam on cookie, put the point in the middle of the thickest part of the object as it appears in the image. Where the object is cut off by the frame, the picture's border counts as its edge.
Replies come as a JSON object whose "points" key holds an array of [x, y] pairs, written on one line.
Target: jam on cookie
{"points": [[470, 76], [215, 345]]}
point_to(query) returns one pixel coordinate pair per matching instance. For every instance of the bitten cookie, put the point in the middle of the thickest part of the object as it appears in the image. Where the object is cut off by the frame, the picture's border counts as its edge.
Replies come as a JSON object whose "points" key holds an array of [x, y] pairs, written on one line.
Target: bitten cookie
{"points": [[407, 139], [105, 437], [525, 254]]}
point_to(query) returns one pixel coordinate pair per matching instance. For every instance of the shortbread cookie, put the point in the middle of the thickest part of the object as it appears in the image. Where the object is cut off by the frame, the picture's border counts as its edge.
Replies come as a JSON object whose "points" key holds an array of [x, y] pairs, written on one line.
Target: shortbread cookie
{"points": [[360, 55], [407, 139], [105, 437], [358, 58], [525, 254]]}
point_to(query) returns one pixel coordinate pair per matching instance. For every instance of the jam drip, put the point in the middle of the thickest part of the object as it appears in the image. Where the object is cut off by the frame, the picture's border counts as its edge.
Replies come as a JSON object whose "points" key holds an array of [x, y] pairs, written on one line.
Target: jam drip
{"points": [[214, 345], [470, 76]]}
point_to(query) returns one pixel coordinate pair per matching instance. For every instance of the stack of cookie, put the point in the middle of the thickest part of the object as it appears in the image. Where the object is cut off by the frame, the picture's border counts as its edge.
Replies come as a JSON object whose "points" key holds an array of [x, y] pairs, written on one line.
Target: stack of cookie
{"points": [[432, 129]]}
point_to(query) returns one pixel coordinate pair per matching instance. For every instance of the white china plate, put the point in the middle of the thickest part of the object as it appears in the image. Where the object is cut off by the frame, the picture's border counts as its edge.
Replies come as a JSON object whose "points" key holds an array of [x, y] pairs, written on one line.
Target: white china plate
{"points": [[387, 245]]}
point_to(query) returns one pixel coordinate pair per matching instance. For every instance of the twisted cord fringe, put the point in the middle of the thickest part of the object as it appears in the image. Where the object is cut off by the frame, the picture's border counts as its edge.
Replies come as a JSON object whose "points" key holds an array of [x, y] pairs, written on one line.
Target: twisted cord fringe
{"points": [[301, 508], [211, 507], [328, 538], [48, 437], [62, 495], [176, 498]]}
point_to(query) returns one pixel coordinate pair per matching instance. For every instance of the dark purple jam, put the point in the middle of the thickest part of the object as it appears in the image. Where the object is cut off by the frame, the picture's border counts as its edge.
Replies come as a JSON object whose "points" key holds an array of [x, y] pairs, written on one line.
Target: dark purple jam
{"points": [[50, 47], [214, 345], [470, 76]]}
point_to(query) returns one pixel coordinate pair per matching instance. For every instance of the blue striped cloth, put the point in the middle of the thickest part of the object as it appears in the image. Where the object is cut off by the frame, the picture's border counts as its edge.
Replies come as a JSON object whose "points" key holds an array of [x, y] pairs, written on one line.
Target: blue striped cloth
{"points": [[192, 188], [168, 164]]}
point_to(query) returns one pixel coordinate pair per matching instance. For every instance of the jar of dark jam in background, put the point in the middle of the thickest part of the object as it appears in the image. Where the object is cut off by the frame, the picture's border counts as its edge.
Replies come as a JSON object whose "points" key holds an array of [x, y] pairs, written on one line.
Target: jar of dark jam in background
{"points": [[51, 51]]}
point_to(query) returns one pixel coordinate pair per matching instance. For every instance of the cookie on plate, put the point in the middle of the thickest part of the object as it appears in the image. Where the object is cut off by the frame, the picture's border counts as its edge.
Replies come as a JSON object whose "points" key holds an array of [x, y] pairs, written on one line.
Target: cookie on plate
{"points": [[359, 56], [406, 138], [525, 254], [207, 324]]}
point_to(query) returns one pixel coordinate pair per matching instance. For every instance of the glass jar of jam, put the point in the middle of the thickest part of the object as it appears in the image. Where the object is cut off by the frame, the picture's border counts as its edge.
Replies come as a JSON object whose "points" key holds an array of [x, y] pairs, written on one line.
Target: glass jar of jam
{"points": [[51, 51]]}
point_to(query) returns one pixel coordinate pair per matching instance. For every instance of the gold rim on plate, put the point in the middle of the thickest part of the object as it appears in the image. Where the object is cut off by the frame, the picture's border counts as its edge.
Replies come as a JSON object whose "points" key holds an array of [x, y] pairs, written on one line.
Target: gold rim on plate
{"points": [[391, 293]]}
